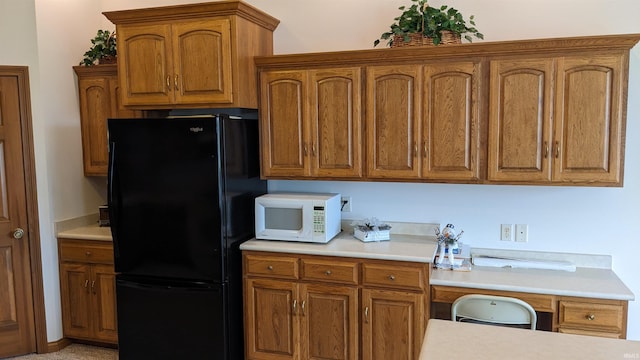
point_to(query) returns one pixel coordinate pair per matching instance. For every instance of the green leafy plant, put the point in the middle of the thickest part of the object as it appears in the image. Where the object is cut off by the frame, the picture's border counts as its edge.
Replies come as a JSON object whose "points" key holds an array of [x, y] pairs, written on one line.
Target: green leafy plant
{"points": [[430, 21], [104, 47]]}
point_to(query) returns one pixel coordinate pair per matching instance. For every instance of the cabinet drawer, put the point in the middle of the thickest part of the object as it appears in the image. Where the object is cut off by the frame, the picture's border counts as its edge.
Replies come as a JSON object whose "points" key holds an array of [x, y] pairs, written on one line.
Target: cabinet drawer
{"points": [[591, 315], [330, 270], [86, 251], [272, 266], [399, 276]]}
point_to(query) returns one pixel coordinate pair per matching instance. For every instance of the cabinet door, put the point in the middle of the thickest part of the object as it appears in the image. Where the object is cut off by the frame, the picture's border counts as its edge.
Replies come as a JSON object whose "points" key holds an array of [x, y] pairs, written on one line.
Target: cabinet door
{"points": [[393, 324], [588, 139], [271, 326], [95, 107], [284, 124], [450, 131], [202, 62], [393, 98], [336, 143], [520, 108], [145, 64], [75, 280], [103, 290], [329, 322]]}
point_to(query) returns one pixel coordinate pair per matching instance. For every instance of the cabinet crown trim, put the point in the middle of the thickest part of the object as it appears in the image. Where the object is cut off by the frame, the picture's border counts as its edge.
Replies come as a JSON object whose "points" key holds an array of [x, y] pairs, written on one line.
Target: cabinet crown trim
{"points": [[193, 11]]}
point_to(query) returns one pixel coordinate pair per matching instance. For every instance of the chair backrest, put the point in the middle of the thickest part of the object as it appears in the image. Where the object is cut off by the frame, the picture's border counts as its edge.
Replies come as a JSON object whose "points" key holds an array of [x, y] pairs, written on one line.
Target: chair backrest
{"points": [[498, 310]]}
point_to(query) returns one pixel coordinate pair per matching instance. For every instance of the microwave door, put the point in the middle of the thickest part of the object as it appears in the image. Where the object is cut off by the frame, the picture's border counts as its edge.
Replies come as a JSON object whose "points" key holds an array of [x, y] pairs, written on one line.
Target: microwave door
{"points": [[281, 220]]}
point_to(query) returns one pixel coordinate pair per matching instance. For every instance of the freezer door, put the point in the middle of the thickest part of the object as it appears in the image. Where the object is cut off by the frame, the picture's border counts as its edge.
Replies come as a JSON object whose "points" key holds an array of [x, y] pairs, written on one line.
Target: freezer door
{"points": [[171, 321], [164, 198]]}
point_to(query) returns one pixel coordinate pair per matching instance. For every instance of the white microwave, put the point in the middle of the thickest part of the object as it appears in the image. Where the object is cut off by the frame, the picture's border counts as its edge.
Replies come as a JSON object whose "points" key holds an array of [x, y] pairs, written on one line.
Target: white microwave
{"points": [[306, 217]]}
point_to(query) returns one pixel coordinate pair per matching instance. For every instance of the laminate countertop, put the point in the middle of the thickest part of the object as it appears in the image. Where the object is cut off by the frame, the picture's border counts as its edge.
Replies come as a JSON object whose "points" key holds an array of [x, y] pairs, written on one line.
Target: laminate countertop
{"points": [[89, 232], [446, 339]]}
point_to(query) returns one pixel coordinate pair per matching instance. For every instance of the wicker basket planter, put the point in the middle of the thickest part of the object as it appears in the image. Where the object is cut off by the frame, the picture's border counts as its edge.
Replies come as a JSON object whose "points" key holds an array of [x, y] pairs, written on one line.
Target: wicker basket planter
{"points": [[446, 38]]}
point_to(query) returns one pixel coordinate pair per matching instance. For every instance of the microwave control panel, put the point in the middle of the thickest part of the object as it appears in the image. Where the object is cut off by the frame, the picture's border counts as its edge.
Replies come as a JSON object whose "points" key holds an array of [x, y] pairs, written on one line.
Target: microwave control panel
{"points": [[318, 219]]}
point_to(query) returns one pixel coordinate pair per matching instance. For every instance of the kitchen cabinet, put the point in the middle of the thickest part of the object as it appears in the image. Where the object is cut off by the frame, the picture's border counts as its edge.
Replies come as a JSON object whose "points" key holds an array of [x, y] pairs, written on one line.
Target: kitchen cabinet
{"points": [[311, 123], [313, 308], [190, 56], [424, 121], [574, 315], [87, 287], [99, 99], [544, 111], [557, 119]]}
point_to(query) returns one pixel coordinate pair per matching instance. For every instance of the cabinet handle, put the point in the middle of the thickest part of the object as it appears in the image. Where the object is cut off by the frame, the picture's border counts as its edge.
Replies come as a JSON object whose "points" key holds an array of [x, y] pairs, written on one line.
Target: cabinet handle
{"points": [[328, 272], [302, 307], [313, 149], [93, 286], [391, 277], [168, 83], [415, 149], [591, 317], [557, 149], [175, 82], [295, 307], [305, 149], [366, 314], [424, 149], [546, 150], [86, 285]]}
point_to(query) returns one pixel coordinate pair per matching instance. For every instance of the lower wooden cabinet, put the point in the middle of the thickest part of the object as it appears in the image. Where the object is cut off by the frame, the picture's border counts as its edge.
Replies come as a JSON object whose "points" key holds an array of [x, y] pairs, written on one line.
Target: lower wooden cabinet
{"points": [[87, 287], [316, 307]]}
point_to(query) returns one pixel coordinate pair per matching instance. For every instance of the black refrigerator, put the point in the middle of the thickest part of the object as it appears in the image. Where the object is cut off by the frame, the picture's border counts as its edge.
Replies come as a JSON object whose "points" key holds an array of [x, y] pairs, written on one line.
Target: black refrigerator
{"points": [[181, 200]]}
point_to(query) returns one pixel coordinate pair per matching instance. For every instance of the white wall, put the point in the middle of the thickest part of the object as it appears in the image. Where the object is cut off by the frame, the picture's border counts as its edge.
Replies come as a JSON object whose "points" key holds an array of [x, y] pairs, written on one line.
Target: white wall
{"points": [[567, 219]]}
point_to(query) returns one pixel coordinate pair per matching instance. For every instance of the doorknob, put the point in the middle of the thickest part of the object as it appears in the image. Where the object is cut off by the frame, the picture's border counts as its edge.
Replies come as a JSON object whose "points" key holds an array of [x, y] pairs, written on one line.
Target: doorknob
{"points": [[18, 233]]}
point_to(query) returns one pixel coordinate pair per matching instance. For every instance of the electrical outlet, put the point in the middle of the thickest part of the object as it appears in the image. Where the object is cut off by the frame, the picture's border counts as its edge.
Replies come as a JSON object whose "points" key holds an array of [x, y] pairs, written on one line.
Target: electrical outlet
{"points": [[522, 232], [345, 203], [506, 232]]}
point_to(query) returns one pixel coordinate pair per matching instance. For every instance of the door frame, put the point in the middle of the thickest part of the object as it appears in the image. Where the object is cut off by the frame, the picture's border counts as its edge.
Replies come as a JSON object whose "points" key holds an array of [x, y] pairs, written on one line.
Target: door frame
{"points": [[35, 259]]}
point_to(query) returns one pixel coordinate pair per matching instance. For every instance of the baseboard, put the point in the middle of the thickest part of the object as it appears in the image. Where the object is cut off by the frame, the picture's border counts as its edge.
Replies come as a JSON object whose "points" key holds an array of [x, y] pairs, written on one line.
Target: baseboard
{"points": [[58, 345]]}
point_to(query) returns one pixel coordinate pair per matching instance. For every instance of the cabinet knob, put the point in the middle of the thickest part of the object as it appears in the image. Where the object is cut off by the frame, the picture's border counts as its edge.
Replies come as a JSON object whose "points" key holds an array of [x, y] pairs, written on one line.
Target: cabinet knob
{"points": [[591, 317], [391, 277], [88, 253], [270, 268], [328, 272]]}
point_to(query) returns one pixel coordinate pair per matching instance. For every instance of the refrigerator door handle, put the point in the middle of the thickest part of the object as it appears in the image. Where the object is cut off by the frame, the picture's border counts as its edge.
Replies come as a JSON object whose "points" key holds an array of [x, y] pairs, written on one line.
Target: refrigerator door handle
{"points": [[113, 204]]}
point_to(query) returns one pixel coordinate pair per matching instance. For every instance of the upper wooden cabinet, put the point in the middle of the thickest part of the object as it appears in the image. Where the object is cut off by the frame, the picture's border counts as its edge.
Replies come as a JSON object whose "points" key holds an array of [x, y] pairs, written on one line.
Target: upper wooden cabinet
{"points": [[545, 112], [189, 56], [99, 98], [422, 121], [557, 119], [311, 123]]}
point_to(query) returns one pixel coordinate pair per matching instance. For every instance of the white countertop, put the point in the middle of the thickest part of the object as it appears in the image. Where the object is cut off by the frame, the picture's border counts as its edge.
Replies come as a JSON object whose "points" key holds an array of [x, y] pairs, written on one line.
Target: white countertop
{"points": [[89, 232], [401, 247], [584, 282], [446, 339]]}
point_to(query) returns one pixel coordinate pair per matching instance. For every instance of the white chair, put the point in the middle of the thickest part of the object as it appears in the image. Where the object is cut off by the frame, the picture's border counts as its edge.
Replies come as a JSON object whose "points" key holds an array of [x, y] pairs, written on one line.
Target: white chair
{"points": [[495, 310]]}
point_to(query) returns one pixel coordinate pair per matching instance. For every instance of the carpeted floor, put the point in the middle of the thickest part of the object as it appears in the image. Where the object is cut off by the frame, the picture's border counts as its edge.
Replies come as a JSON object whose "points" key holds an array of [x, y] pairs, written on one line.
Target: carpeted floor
{"points": [[75, 352]]}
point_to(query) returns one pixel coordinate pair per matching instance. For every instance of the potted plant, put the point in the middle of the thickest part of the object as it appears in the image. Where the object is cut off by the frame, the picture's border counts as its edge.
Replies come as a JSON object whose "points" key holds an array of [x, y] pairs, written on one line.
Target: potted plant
{"points": [[103, 50], [421, 24]]}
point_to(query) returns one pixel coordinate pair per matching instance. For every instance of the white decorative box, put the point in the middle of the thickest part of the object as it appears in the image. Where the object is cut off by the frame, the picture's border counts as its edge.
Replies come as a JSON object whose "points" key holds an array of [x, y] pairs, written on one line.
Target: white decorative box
{"points": [[372, 235]]}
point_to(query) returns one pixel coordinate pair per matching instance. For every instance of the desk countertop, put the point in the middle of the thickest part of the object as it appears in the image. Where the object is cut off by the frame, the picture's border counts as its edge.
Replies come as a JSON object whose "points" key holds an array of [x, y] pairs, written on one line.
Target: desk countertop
{"points": [[454, 340]]}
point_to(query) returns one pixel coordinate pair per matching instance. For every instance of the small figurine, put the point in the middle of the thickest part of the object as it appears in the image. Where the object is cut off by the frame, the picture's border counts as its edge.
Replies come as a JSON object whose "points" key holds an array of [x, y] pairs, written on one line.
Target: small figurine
{"points": [[447, 239]]}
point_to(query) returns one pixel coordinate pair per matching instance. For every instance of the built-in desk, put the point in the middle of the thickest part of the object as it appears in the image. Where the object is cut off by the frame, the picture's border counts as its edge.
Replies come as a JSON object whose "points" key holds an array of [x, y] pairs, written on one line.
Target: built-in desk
{"points": [[589, 301], [455, 340]]}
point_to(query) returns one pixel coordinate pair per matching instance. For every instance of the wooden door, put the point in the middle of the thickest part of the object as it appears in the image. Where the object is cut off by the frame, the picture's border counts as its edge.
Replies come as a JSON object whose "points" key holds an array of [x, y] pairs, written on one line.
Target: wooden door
{"points": [[285, 130], [271, 320], [450, 133], [202, 70], [589, 121], [75, 290], [520, 130], [393, 324], [17, 322], [145, 64], [103, 303], [393, 133], [329, 325], [336, 121]]}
